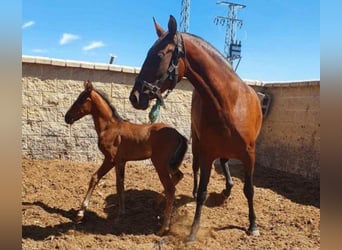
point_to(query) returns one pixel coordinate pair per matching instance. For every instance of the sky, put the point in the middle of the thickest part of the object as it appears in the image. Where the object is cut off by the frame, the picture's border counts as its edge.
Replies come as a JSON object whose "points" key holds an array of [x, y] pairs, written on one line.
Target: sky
{"points": [[280, 38]]}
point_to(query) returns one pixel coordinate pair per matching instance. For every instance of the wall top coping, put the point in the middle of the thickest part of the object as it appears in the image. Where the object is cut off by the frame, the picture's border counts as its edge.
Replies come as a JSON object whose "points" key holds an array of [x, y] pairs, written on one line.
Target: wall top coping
{"points": [[79, 64], [136, 70], [298, 83]]}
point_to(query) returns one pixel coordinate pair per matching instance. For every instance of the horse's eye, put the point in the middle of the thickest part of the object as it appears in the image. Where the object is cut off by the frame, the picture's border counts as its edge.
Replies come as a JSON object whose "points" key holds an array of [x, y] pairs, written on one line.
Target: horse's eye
{"points": [[161, 55]]}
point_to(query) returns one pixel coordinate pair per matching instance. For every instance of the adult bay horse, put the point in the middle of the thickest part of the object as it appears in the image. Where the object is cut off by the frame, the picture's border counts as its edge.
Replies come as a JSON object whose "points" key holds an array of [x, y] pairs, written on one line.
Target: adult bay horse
{"points": [[226, 113], [121, 141]]}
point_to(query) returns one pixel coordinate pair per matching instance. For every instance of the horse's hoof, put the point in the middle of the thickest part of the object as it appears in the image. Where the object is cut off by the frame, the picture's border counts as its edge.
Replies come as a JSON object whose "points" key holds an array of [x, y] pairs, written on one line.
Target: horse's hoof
{"points": [[194, 194], [161, 232], [226, 193], [253, 232], [191, 238]]}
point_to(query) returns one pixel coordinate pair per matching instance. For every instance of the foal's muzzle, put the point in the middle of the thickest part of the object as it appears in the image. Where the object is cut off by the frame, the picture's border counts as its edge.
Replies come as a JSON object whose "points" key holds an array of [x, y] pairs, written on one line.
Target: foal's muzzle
{"points": [[68, 119]]}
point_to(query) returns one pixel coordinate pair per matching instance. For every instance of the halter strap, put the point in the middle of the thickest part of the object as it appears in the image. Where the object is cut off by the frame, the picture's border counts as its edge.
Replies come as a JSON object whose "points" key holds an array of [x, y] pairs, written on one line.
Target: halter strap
{"points": [[177, 53]]}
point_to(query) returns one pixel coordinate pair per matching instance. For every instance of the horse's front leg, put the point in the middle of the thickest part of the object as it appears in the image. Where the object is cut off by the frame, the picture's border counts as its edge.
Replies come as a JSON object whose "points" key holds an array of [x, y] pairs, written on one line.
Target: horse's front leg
{"points": [[195, 168], [96, 177], [248, 189], [120, 186], [205, 170], [195, 164]]}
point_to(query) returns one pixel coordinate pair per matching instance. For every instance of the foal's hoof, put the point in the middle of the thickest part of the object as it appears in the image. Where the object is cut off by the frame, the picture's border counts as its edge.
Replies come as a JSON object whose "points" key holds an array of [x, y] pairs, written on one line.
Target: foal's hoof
{"points": [[79, 216]]}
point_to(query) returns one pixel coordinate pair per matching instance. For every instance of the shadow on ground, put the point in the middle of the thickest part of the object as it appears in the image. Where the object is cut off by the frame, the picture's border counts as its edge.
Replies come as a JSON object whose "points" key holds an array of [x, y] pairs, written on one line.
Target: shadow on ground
{"points": [[294, 187], [144, 215]]}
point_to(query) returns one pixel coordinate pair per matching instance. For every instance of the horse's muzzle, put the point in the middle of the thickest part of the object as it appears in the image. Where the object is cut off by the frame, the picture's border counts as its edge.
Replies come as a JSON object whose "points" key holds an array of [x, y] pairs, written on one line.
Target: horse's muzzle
{"points": [[139, 100]]}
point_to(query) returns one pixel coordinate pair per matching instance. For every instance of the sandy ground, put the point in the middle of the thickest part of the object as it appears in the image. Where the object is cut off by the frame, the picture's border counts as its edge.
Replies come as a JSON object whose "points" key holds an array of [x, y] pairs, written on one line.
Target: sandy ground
{"points": [[287, 209]]}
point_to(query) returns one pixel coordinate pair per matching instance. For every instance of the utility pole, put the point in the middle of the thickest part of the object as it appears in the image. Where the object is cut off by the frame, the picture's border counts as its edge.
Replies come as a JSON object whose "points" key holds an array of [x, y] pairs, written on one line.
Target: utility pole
{"points": [[185, 16], [232, 47]]}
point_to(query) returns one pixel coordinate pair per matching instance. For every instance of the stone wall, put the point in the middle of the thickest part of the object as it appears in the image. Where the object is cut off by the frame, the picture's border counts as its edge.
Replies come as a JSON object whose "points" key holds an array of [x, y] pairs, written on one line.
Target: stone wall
{"points": [[50, 87], [289, 140], [290, 136]]}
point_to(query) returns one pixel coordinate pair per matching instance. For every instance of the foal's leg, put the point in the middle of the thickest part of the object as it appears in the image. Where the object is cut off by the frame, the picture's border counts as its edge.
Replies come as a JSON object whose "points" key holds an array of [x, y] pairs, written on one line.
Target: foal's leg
{"points": [[105, 167], [176, 177], [226, 172], [248, 190], [201, 196], [169, 188], [120, 177]]}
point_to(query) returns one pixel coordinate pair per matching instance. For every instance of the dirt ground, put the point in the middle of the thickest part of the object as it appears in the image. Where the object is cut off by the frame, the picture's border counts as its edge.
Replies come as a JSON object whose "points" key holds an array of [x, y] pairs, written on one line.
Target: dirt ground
{"points": [[287, 209]]}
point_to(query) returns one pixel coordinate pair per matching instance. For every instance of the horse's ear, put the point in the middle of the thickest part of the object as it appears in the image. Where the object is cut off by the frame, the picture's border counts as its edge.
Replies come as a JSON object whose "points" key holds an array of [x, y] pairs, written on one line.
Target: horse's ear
{"points": [[172, 25], [88, 85], [158, 28]]}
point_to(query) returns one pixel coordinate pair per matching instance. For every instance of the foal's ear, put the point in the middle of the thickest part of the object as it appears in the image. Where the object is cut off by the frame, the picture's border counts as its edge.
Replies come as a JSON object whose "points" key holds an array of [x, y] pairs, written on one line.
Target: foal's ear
{"points": [[88, 85], [172, 25], [158, 28]]}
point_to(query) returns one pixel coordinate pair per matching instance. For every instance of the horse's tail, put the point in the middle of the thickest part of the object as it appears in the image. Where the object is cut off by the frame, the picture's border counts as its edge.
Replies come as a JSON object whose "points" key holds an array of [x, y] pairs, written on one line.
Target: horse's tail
{"points": [[178, 155]]}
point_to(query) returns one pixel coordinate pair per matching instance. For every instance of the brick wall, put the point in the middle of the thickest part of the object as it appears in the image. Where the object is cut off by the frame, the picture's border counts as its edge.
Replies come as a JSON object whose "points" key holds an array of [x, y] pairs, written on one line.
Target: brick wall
{"points": [[289, 140]]}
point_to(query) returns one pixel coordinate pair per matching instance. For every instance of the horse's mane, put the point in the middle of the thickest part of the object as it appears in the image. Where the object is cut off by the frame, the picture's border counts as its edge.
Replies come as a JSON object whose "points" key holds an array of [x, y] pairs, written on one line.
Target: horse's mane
{"points": [[106, 99], [211, 49]]}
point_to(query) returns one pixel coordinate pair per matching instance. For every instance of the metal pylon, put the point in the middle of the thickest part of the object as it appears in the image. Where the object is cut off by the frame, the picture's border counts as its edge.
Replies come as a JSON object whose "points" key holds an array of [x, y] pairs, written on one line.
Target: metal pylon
{"points": [[185, 16], [232, 47]]}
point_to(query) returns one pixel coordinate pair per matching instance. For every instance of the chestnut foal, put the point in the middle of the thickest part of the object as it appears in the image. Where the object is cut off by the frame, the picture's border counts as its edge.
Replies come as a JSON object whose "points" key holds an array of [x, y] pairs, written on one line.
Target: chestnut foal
{"points": [[121, 141]]}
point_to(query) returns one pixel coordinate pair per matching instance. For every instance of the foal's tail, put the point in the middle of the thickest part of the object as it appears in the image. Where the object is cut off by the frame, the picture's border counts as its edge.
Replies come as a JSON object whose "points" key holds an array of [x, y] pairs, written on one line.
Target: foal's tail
{"points": [[178, 155]]}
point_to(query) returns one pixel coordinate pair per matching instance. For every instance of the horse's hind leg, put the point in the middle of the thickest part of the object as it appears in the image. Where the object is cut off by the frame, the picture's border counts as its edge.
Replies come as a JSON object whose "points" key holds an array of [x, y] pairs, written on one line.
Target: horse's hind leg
{"points": [[226, 172], [248, 190], [120, 177], [105, 167]]}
